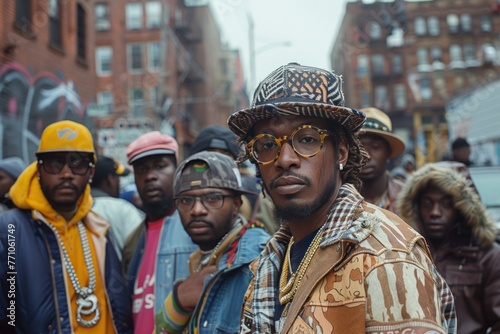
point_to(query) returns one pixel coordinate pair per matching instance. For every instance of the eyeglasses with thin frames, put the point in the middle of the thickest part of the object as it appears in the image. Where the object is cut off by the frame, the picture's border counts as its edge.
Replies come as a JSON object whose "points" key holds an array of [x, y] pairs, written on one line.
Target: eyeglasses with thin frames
{"points": [[306, 141], [211, 201], [77, 164]]}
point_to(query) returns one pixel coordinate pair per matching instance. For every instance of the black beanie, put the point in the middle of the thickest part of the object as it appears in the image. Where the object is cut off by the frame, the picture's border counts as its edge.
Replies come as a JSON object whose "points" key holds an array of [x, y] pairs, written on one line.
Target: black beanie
{"points": [[216, 137]]}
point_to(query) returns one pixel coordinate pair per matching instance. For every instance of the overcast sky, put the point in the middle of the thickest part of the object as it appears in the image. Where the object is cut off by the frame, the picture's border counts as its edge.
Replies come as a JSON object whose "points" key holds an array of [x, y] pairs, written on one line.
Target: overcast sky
{"points": [[309, 28]]}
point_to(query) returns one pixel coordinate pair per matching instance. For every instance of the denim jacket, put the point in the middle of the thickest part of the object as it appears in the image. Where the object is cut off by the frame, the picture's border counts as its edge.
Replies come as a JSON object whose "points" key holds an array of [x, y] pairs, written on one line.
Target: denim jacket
{"points": [[173, 252], [223, 302], [220, 305]]}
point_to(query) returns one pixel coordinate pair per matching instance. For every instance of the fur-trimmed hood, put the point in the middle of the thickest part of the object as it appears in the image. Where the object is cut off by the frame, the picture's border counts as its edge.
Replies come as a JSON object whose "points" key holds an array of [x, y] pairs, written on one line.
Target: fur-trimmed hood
{"points": [[465, 198]]}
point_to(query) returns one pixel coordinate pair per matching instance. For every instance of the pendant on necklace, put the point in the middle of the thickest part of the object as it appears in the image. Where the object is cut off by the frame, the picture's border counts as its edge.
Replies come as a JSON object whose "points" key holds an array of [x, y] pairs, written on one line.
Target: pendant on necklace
{"points": [[87, 306]]}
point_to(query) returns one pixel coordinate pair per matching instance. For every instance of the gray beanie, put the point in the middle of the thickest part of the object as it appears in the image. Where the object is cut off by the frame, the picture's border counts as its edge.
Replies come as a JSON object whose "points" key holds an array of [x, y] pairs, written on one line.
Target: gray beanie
{"points": [[13, 166]]}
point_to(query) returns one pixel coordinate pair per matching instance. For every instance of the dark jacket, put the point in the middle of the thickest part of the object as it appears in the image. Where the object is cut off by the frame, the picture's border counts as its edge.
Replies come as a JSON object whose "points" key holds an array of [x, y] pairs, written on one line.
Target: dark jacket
{"points": [[468, 259], [38, 283]]}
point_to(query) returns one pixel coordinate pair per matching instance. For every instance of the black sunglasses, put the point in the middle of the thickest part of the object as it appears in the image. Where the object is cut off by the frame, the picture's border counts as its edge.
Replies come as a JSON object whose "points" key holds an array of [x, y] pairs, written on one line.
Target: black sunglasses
{"points": [[54, 165]]}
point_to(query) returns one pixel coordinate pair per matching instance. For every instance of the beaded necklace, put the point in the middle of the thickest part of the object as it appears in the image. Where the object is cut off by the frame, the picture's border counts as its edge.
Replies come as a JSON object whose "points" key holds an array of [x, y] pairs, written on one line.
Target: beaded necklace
{"points": [[86, 301], [289, 285], [206, 256]]}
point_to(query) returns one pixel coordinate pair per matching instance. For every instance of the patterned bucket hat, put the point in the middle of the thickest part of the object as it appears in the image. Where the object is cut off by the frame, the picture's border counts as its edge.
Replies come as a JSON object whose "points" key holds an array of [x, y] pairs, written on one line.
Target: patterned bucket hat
{"points": [[297, 90]]}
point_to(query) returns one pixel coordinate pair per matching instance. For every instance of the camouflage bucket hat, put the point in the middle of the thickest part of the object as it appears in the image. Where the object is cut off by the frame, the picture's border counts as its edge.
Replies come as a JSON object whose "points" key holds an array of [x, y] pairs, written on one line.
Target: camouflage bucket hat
{"points": [[208, 170], [296, 90]]}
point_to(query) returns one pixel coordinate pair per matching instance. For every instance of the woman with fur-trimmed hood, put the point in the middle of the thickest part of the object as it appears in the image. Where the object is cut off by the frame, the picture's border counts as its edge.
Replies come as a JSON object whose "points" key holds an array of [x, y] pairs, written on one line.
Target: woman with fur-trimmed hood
{"points": [[440, 201]]}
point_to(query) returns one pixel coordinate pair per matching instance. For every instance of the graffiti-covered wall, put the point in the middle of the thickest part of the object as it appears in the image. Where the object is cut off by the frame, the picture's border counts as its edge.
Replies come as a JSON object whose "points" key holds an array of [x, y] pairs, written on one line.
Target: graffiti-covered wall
{"points": [[28, 103]]}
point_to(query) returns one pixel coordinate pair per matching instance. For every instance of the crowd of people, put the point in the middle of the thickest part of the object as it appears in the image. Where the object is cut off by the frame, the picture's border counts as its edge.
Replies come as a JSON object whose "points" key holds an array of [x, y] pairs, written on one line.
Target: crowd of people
{"points": [[288, 220]]}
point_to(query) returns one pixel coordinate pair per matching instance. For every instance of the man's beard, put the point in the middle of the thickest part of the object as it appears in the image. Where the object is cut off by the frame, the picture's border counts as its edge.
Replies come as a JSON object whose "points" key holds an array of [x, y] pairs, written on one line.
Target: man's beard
{"points": [[158, 208], [294, 211]]}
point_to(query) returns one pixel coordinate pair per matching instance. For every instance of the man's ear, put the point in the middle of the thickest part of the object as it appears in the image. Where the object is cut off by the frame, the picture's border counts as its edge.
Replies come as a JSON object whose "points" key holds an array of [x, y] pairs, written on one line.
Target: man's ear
{"points": [[343, 152], [38, 166], [238, 202], [92, 172]]}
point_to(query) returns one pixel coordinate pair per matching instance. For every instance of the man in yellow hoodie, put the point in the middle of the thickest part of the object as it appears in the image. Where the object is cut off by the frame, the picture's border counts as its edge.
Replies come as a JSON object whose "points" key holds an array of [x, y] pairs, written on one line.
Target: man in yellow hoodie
{"points": [[58, 272]]}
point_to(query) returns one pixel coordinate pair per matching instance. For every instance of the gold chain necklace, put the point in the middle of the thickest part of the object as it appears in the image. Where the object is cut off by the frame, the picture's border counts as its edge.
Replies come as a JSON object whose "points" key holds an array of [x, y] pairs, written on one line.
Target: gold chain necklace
{"points": [[289, 286]]}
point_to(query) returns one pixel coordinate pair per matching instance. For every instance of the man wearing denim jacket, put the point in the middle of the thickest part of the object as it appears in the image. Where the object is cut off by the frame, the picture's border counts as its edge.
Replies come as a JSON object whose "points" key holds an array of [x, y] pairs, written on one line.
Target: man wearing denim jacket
{"points": [[159, 249], [211, 298]]}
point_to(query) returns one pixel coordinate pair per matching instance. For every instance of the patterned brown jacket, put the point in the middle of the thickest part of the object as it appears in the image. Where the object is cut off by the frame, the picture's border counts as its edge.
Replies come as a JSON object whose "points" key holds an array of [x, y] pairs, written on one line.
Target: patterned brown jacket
{"points": [[372, 274]]}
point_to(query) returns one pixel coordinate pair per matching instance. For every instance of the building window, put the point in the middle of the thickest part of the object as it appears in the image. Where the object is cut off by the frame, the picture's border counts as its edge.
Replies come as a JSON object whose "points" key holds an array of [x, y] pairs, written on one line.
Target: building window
{"points": [[397, 64], [378, 64], [440, 87], [423, 60], [433, 23], [456, 56], [400, 96], [133, 13], [154, 95], [102, 22], [366, 99], [420, 28], [154, 62], [425, 89], [437, 58], [489, 54], [470, 55], [458, 82], [81, 46], [134, 56], [465, 23], [374, 30], [23, 14], [436, 54], [153, 14], [486, 23], [104, 56], [381, 98], [363, 66], [452, 20], [105, 99], [55, 22], [136, 101]]}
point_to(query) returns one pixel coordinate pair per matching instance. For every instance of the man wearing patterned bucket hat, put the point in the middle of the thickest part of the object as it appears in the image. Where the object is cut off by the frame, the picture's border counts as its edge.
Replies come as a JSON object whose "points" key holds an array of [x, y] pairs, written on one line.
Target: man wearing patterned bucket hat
{"points": [[379, 187], [210, 298], [60, 275], [337, 263]]}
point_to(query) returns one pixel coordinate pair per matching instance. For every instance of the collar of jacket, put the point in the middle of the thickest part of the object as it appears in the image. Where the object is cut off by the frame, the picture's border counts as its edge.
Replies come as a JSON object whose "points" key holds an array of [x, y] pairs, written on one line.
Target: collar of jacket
{"points": [[324, 261]]}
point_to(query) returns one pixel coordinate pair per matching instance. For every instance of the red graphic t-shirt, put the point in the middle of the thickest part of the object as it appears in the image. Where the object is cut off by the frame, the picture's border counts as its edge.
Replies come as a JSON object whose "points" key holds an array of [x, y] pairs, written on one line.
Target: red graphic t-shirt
{"points": [[144, 287]]}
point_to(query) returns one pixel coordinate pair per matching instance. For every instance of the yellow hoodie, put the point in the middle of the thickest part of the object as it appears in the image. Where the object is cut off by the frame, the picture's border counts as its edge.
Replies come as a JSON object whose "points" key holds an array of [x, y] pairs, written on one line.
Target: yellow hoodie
{"points": [[26, 193]]}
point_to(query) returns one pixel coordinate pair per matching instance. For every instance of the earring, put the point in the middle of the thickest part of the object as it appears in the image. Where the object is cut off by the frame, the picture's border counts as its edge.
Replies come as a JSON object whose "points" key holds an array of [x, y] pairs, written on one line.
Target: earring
{"points": [[341, 166], [90, 180]]}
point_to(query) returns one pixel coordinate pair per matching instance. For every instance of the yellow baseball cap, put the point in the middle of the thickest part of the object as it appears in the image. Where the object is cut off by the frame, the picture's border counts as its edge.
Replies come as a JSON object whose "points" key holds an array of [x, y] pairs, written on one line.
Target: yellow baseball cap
{"points": [[66, 136]]}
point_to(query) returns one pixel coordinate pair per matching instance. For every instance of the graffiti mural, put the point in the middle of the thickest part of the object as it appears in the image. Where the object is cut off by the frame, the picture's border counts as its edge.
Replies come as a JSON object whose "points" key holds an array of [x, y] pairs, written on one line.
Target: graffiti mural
{"points": [[28, 103]]}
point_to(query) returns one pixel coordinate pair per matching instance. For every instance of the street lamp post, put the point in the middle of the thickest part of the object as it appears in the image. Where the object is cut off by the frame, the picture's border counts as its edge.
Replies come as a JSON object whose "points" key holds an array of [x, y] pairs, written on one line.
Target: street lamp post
{"points": [[254, 52]]}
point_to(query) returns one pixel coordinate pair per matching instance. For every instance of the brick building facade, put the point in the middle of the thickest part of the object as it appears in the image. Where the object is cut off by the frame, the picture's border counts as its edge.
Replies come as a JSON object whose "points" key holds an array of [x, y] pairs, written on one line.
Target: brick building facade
{"points": [[159, 65], [409, 58], [121, 67], [45, 69]]}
